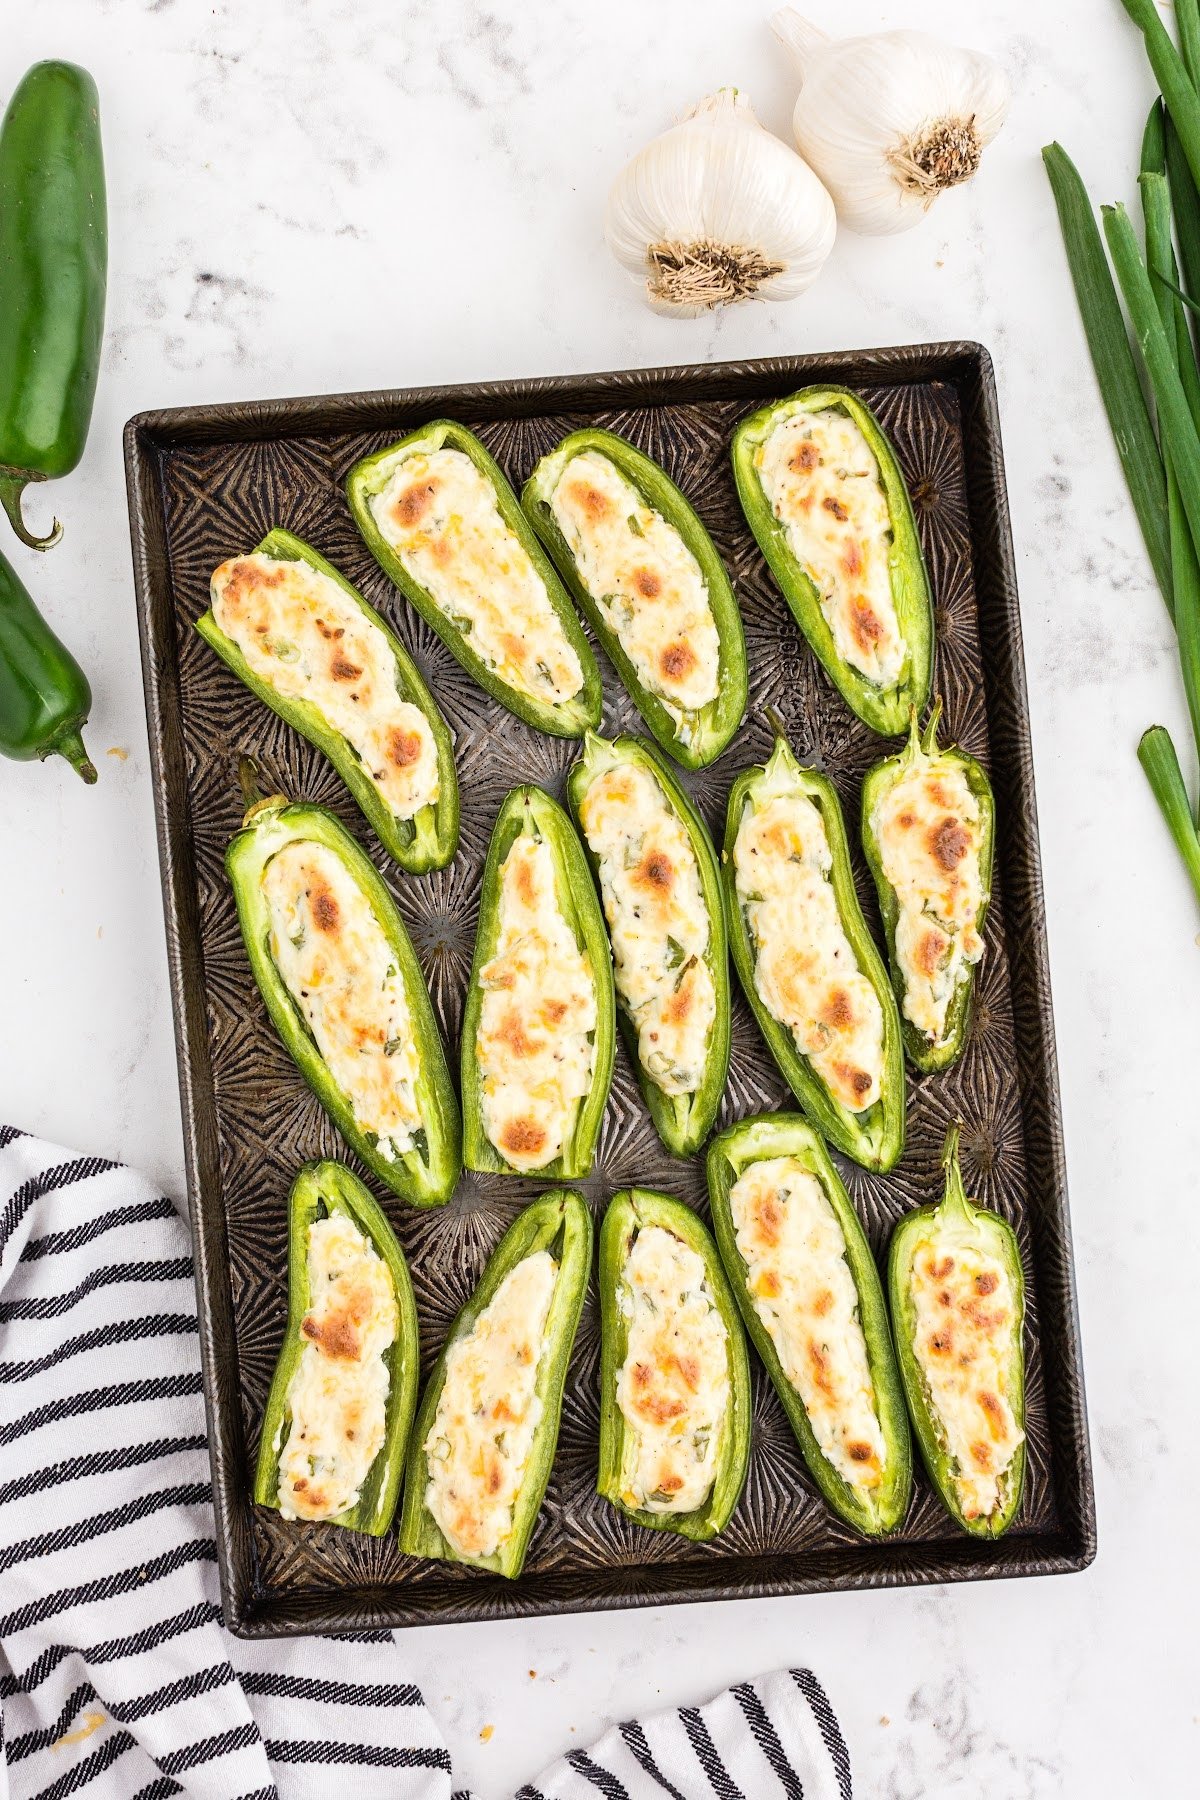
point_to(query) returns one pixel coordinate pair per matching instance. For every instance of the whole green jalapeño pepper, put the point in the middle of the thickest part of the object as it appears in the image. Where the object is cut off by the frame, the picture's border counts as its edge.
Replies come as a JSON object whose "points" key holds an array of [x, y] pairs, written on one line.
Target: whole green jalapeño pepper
{"points": [[558, 1223], [965, 1263], [44, 694], [424, 1173], [325, 1190], [530, 813], [872, 1507], [873, 1137], [693, 737], [53, 271], [683, 1117], [629, 1213], [427, 839], [884, 707], [370, 477], [953, 840]]}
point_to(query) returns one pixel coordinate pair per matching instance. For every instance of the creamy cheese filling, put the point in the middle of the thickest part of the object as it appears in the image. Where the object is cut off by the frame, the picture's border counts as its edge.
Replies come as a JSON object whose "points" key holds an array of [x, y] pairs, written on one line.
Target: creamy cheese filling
{"points": [[340, 970], [823, 484], [927, 827], [302, 635], [647, 584], [794, 1250], [534, 1045], [439, 514], [478, 1446], [673, 1387], [965, 1308], [337, 1396], [657, 921], [805, 969]]}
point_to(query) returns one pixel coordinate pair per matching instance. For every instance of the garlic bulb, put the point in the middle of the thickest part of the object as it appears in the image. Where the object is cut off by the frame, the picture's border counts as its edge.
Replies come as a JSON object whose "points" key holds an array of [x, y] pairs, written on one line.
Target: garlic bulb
{"points": [[889, 122], [717, 210]]}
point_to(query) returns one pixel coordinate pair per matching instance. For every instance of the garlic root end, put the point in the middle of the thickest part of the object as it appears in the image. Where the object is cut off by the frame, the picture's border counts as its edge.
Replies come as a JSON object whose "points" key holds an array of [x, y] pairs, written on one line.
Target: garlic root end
{"points": [[705, 274], [940, 156]]}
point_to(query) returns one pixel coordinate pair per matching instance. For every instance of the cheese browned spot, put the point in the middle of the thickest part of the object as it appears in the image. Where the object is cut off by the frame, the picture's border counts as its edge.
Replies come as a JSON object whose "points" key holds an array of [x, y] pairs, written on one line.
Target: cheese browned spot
{"points": [[648, 586], [438, 512], [928, 829], [964, 1307], [337, 1397], [534, 1046], [657, 921], [823, 484], [477, 1448], [805, 969], [305, 637], [673, 1386], [799, 1280], [336, 962]]}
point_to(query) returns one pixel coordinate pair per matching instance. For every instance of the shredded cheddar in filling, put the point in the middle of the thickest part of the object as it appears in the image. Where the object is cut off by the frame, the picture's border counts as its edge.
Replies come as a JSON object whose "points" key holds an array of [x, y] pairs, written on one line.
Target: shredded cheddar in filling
{"points": [[822, 481], [338, 966], [927, 827], [805, 969], [965, 1305], [306, 638], [478, 1446], [673, 1386], [647, 584], [337, 1397], [537, 1019], [439, 514], [800, 1282], [657, 920]]}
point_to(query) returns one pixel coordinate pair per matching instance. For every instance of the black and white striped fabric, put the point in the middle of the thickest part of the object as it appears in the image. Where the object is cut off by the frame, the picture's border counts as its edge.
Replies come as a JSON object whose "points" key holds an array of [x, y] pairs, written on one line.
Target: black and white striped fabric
{"points": [[117, 1678]]}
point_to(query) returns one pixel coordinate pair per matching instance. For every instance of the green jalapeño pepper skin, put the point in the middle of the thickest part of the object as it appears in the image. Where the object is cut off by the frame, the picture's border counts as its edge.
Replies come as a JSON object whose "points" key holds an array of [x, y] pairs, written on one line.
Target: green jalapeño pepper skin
{"points": [[874, 1511], [693, 738], [320, 1190], [884, 709], [44, 694], [628, 1213], [530, 812], [426, 1173], [958, 1227], [682, 1120], [568, 718], [873, 1138], [53, 270], [429, 838], [560, 1223], [922, 752]]}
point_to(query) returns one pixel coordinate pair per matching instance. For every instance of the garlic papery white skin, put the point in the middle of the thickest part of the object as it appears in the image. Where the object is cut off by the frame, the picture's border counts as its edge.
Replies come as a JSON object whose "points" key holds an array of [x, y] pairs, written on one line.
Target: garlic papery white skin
{"points": [[717, 210], [890, 122]]}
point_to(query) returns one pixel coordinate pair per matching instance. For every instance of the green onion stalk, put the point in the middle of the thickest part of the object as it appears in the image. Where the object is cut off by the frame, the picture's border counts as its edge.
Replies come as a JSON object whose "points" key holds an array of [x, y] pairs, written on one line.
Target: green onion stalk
{"points": [[1138, 312]]}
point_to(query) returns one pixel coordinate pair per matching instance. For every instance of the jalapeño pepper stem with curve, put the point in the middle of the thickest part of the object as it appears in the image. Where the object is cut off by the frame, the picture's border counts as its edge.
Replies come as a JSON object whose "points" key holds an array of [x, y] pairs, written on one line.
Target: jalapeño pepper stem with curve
{"points": [[53, 271]]}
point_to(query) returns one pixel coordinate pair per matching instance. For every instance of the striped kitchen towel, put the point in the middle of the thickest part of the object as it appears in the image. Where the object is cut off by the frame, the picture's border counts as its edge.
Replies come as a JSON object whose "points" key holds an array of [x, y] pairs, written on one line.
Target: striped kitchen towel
{"points": [[117, 1677]]}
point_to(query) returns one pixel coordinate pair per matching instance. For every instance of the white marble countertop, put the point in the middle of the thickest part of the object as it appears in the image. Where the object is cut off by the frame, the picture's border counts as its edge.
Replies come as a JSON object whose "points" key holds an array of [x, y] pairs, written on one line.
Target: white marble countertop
{"points": [[327, 196]]}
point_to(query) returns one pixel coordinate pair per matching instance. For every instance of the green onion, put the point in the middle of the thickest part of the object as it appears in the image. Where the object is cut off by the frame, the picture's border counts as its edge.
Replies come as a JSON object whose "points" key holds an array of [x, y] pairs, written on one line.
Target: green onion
{"points": [[1154, 141], [1180, 440], [1181, 98], [1160, 261], [1156, 753], [1187, 17], [1116, 371], [1185, 570], [1185, 204]]}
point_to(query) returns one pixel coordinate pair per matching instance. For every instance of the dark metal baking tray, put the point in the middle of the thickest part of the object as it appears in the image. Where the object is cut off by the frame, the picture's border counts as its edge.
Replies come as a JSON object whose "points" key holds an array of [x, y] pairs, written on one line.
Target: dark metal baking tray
{"points": [[206, 483]]}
